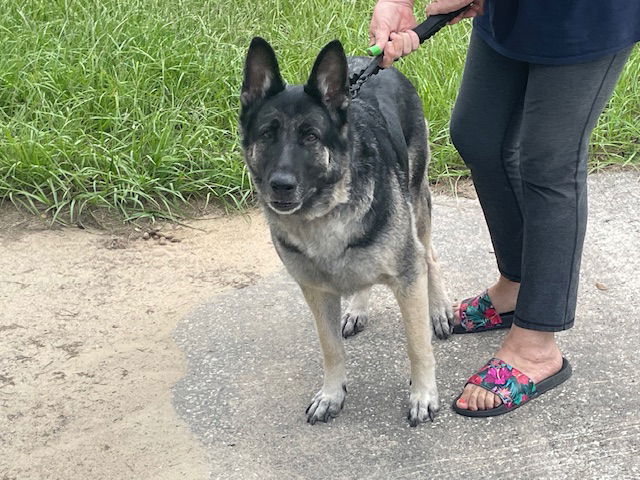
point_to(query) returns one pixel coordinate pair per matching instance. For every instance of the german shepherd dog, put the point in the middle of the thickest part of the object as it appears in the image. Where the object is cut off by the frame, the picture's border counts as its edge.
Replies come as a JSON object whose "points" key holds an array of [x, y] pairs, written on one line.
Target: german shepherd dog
{"points": [[343, 185]]}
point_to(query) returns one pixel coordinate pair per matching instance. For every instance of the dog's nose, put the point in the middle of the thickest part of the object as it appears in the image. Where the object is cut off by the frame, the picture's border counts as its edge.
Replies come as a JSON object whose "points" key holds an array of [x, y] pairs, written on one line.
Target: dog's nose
{"points": [[282, 182]]}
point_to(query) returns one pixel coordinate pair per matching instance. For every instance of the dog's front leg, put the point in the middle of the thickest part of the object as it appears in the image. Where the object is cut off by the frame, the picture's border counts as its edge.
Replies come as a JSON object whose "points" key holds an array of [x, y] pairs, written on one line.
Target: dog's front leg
{"points": [[328, 402], [413, 299]]}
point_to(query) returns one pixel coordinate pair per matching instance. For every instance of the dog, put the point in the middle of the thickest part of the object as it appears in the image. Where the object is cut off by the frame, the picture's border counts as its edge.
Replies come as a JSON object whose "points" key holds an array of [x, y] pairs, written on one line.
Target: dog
{"points": [[343, 185]]}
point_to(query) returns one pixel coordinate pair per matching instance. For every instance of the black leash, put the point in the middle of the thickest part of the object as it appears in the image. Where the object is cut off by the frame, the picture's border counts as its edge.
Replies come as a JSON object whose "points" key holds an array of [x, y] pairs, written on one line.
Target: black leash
{"points": [[425, 30]]}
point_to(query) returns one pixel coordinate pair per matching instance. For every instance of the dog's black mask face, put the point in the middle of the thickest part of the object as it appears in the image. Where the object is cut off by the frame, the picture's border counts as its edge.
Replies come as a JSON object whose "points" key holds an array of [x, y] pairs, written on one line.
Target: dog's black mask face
{"points": [[295, 138]]}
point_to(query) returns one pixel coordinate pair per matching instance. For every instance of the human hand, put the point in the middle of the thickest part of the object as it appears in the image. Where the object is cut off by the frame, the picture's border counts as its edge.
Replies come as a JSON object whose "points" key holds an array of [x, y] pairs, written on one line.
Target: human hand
{"points": [[446, 6], [390, 30]]}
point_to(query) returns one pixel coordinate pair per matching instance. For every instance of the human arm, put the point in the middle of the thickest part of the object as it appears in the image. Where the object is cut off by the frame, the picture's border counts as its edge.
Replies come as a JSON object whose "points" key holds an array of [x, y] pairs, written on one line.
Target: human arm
{"points": [[393, 20], [390, 29], [446, 6]]}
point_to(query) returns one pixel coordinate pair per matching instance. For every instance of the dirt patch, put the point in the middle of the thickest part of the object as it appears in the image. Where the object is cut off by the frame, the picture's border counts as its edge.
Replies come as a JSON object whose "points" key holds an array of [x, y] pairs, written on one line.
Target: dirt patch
{"points": [[454, 186], [87, 358], [86, 315]]}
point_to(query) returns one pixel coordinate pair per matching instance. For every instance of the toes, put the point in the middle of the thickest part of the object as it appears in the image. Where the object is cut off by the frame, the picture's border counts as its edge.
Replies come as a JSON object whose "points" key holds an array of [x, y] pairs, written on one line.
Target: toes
{"points": [[483, 399], [423, 405], [442, 317], [348, 329], [463, 401], [318, 410], [487, 400], [490, 401], [451, 317], [352, 324], [441, 327], [442, 321], [413, 419], [472, 397], [480, 399], [455, 314], [475, 398], [420, 413], [324, 407]]}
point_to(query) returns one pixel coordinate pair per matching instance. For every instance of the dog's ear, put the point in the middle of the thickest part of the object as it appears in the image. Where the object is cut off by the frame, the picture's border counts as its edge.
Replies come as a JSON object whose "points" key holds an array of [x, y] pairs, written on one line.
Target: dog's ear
{"points": [[329, 76], [261, 73]]}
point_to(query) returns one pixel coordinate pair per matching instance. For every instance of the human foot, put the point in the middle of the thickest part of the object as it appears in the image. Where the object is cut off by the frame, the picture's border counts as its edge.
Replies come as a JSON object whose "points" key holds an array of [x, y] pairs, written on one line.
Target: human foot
{"points": [[503, 296], [532, 353]]}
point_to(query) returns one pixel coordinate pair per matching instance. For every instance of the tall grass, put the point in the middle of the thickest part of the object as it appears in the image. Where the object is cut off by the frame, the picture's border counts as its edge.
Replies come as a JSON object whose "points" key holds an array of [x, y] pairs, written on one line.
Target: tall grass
{"points": [[132, 106]]}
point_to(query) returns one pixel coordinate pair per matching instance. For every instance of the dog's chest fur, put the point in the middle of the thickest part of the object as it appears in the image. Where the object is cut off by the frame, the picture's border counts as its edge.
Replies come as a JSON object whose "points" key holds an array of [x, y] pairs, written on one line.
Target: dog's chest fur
{"points": [[320, 253]]}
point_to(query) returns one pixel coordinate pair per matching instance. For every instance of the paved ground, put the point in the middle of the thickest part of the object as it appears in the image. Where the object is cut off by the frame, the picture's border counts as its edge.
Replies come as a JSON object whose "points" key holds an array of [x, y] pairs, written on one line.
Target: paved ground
{"points": [[254, 364]]}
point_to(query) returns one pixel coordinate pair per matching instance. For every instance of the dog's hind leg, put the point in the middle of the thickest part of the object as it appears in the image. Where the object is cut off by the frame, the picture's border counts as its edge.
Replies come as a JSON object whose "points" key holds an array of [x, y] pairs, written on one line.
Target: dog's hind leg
{"points": [[413, 302], [328, 402], [357, 314], [440, 309]]}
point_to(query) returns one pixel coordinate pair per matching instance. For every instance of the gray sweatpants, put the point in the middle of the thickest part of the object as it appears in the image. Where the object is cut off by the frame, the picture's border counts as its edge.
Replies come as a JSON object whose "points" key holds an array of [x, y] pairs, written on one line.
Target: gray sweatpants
{"points": [[523, 129]]}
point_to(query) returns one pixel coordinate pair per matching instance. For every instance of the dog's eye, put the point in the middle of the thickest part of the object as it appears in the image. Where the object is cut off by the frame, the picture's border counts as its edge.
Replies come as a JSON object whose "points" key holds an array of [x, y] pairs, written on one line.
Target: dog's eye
{"points": [[269, 131], [310, 137]]}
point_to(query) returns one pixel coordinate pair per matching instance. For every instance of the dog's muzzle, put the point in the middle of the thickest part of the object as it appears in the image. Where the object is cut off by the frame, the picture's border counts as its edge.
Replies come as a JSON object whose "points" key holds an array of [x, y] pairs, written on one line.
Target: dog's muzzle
{"points": [[284, 196]]}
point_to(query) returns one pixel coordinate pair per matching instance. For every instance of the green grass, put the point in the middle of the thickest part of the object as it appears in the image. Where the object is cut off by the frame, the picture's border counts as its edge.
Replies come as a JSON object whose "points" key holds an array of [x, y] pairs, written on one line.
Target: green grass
{"points": [[132, 106]]}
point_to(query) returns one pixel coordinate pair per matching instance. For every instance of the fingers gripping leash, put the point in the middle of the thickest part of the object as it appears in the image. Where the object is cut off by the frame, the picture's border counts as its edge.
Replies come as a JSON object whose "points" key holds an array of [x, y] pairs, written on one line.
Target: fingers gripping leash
{"points": [[425, 30]]}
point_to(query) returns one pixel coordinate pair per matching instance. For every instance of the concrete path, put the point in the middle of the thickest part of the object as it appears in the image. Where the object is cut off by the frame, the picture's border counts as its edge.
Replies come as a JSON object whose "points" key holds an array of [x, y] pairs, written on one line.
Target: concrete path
{"points": [[254, 364]]}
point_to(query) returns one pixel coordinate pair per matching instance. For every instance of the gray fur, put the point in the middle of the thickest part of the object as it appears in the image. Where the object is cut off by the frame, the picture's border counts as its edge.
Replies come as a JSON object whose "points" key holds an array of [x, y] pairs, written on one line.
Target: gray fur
{"points": [[343, 186]]}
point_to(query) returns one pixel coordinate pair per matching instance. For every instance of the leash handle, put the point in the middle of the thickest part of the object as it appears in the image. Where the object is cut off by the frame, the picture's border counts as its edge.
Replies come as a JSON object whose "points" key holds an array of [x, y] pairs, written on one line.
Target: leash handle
{"points": [[426, 29], [434, 23]]}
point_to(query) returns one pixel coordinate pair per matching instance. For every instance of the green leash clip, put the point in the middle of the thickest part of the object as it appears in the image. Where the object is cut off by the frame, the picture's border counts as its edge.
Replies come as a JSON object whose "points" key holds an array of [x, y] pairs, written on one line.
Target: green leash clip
{"points": [[374, 51]]}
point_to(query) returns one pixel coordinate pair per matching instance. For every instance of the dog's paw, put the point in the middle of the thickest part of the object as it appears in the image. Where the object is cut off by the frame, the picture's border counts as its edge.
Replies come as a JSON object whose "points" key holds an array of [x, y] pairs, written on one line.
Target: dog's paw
{"points": [[326, 406], [442, 319], [422, 407], [353, 323]]}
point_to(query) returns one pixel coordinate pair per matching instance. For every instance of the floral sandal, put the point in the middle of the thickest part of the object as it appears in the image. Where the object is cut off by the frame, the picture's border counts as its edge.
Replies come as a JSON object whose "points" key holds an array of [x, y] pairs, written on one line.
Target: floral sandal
{"points": [[512, 386], [477, 314]]}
